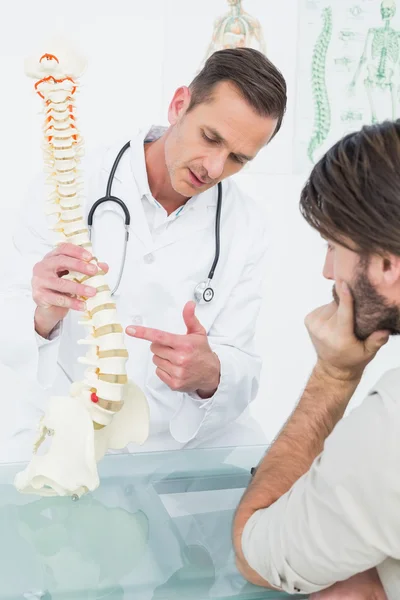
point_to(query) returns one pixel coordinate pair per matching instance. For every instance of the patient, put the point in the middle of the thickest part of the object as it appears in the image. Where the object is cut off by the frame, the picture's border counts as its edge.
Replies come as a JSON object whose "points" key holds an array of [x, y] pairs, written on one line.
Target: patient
{"points": [[323, 509]]}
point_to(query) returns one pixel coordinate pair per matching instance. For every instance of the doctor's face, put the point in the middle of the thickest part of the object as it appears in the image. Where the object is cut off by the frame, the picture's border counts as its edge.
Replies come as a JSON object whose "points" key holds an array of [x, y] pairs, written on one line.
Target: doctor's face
{"points": [[213, 140], [372, 287]]}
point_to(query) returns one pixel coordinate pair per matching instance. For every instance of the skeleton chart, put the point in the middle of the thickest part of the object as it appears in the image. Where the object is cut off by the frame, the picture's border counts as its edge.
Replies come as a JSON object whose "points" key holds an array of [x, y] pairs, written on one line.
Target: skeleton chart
{"points": [[348, 72]]}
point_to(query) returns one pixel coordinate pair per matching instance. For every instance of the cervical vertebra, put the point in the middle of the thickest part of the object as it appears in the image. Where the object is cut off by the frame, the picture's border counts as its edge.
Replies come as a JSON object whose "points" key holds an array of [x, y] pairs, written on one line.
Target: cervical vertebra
{"points": [[105, 388]]}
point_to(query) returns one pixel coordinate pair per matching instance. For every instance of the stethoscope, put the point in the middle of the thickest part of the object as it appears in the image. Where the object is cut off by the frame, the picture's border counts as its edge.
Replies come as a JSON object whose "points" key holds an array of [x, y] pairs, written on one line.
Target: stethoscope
{"points": [[203, 290]]}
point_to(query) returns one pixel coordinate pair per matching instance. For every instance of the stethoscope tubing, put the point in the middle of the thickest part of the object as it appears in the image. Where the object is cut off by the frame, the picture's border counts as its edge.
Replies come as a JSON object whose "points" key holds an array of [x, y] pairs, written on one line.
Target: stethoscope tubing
{"points": [[110, 198]]}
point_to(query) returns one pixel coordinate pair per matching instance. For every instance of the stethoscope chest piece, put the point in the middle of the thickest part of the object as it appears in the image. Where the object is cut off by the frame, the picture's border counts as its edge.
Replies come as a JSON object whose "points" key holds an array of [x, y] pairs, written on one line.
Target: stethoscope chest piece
{"points": [[203, 292]]}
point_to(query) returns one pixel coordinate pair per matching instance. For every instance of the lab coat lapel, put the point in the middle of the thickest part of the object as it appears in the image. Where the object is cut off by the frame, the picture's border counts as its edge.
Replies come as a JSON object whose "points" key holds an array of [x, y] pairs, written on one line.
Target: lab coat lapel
{"points": [[139, 227], [125, 187], [130, 182]]}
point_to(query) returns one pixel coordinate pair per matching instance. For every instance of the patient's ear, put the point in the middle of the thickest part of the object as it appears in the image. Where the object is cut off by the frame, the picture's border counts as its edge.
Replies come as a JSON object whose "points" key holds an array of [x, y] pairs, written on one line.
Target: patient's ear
{"points": [[383, 270], [390, 269]]}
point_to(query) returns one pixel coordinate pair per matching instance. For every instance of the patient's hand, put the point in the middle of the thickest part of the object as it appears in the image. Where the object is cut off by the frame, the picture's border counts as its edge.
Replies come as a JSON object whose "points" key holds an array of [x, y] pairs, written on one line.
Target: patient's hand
{"points": [[365, 586]]}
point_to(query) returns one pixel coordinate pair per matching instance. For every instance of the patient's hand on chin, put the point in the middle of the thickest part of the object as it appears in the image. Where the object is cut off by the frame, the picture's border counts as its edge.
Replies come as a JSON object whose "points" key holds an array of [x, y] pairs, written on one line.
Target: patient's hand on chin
{"points": [[365, 586]]}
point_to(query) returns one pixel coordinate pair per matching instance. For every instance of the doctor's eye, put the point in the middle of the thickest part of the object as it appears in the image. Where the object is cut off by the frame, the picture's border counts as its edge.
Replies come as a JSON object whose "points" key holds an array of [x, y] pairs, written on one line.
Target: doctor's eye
{"points": [[208, 139], [238, 160]]}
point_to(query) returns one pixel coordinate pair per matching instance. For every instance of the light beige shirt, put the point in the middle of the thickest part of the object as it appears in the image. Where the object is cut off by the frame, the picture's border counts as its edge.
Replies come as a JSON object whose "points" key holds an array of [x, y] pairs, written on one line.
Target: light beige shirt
{"points": [[343, 516]]}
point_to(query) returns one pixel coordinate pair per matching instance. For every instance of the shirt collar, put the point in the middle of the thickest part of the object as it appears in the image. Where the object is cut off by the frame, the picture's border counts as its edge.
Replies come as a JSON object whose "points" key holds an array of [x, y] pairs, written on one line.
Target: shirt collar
{"points": [[137, 155]]}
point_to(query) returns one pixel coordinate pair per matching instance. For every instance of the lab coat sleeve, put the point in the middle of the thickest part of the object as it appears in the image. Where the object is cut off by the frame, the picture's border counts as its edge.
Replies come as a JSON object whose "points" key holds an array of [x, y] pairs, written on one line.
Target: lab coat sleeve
{"points": [[22, 349], [341, 517], [232, 338]]}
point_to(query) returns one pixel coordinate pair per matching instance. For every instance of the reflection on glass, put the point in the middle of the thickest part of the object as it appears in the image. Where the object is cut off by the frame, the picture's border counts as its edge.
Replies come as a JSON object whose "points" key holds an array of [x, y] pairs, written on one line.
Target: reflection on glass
{"points": [[159, 528]]}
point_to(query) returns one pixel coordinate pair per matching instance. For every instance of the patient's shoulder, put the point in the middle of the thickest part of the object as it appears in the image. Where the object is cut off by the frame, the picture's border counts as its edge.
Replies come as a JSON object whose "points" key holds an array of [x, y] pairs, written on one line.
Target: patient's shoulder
{"points": [[388, 386]]}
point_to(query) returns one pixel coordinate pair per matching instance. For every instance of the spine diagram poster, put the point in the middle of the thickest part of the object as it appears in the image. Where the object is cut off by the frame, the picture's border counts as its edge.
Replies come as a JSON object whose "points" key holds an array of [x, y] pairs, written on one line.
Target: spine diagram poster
{"points": [[348, 71]]}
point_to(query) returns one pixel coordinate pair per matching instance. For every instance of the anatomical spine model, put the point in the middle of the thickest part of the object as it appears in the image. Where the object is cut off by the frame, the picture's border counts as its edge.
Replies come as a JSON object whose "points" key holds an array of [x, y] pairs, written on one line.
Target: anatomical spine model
{"points": [[105, 410]]}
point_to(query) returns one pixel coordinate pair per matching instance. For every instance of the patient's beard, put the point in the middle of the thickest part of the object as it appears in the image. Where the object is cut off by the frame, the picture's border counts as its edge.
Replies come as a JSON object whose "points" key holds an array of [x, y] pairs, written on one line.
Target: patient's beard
{"points": [[372, 311]]}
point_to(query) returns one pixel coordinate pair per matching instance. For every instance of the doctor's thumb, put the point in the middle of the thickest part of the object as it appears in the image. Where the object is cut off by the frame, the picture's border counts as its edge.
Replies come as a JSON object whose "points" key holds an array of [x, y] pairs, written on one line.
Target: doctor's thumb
{"points": [[192, 323]]}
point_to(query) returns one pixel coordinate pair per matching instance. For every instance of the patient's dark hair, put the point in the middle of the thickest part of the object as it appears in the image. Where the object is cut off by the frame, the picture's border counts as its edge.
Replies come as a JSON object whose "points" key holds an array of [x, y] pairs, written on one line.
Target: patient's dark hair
{"points": [[353, 192], [259, 82]]}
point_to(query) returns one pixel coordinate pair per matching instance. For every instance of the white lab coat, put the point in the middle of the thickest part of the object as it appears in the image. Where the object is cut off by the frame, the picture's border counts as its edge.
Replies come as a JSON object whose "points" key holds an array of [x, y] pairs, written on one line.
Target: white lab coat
{"points": [[159, 278]]}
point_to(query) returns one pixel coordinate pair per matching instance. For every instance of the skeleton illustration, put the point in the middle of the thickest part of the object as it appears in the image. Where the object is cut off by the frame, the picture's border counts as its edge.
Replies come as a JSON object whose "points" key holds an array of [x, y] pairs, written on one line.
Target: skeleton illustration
{"points": [[355, 10], [237, 29], [344, 61], [322, 119], [351, 115], [105, 410], [346, 36], [381, 58]]}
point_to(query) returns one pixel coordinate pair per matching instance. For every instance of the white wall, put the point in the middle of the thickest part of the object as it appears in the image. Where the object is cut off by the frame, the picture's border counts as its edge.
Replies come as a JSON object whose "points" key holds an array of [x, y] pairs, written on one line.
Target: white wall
{"points": [[138, 53]]}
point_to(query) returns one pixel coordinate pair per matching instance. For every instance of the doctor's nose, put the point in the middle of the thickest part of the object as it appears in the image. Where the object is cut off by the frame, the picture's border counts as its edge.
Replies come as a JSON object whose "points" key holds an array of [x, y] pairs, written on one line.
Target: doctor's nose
{"points": [[214, 164]]}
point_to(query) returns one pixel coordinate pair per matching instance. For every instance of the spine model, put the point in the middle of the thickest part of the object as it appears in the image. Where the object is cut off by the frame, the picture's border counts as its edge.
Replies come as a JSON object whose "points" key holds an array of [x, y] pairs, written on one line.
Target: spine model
{"points": [[105, 377], [108, 410]]}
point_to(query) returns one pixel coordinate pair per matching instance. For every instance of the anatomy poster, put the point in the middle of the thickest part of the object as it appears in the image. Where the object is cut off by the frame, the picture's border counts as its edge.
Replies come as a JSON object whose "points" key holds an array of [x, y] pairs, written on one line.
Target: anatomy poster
{"points": [[348, 71], [195, 30], [236, 28]]}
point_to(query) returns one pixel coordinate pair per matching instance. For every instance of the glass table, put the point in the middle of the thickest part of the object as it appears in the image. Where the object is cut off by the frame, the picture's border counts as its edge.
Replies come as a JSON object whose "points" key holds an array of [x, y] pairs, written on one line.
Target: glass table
{"points": [[157, 528]]}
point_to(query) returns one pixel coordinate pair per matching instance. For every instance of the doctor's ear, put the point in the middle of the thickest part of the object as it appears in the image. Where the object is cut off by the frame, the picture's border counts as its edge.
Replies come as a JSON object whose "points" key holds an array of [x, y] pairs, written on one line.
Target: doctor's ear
{"points": [[179, 104]]}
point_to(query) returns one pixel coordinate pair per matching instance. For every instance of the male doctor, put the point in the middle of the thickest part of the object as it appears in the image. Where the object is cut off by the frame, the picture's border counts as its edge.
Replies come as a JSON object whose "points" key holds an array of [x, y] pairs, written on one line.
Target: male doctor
{"points": [[196, 364]]}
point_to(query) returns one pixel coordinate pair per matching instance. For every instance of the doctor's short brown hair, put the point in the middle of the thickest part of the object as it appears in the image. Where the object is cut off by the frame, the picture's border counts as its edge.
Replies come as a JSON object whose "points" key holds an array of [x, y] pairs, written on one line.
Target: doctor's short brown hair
{"points": [[260, 83], [353, 192]]}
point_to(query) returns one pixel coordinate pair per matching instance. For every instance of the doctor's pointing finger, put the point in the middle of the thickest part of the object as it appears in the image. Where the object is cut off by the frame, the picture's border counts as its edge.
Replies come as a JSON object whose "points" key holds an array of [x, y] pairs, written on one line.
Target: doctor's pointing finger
{"points": [[184, 362]]}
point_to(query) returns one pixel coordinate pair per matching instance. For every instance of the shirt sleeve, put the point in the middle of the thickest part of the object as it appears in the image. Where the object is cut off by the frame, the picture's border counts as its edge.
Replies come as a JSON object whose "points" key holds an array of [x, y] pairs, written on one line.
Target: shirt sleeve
{"points": [[21, 348], [340, 518], [48, 355]]}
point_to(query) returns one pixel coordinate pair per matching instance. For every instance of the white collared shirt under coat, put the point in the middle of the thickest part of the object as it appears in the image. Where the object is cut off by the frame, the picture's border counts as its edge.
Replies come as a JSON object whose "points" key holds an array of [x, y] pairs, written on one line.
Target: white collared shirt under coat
{"points": [[162, 268]]}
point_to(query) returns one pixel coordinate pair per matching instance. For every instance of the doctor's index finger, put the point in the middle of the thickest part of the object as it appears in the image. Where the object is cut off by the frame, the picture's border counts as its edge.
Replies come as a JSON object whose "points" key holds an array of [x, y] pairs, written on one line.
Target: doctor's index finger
{"points": [[72, 250], [154, 335]]}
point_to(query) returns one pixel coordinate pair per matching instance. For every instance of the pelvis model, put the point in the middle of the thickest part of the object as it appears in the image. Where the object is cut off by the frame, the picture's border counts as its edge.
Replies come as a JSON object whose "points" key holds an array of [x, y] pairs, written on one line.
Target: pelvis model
{"points": [[105, 410]]}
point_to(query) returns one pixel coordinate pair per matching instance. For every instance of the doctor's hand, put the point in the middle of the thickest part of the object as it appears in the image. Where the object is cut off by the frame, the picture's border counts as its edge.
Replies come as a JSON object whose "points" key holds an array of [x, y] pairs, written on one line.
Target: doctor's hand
{"points": [[185, 363], [331, 328], [55, 296]]}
